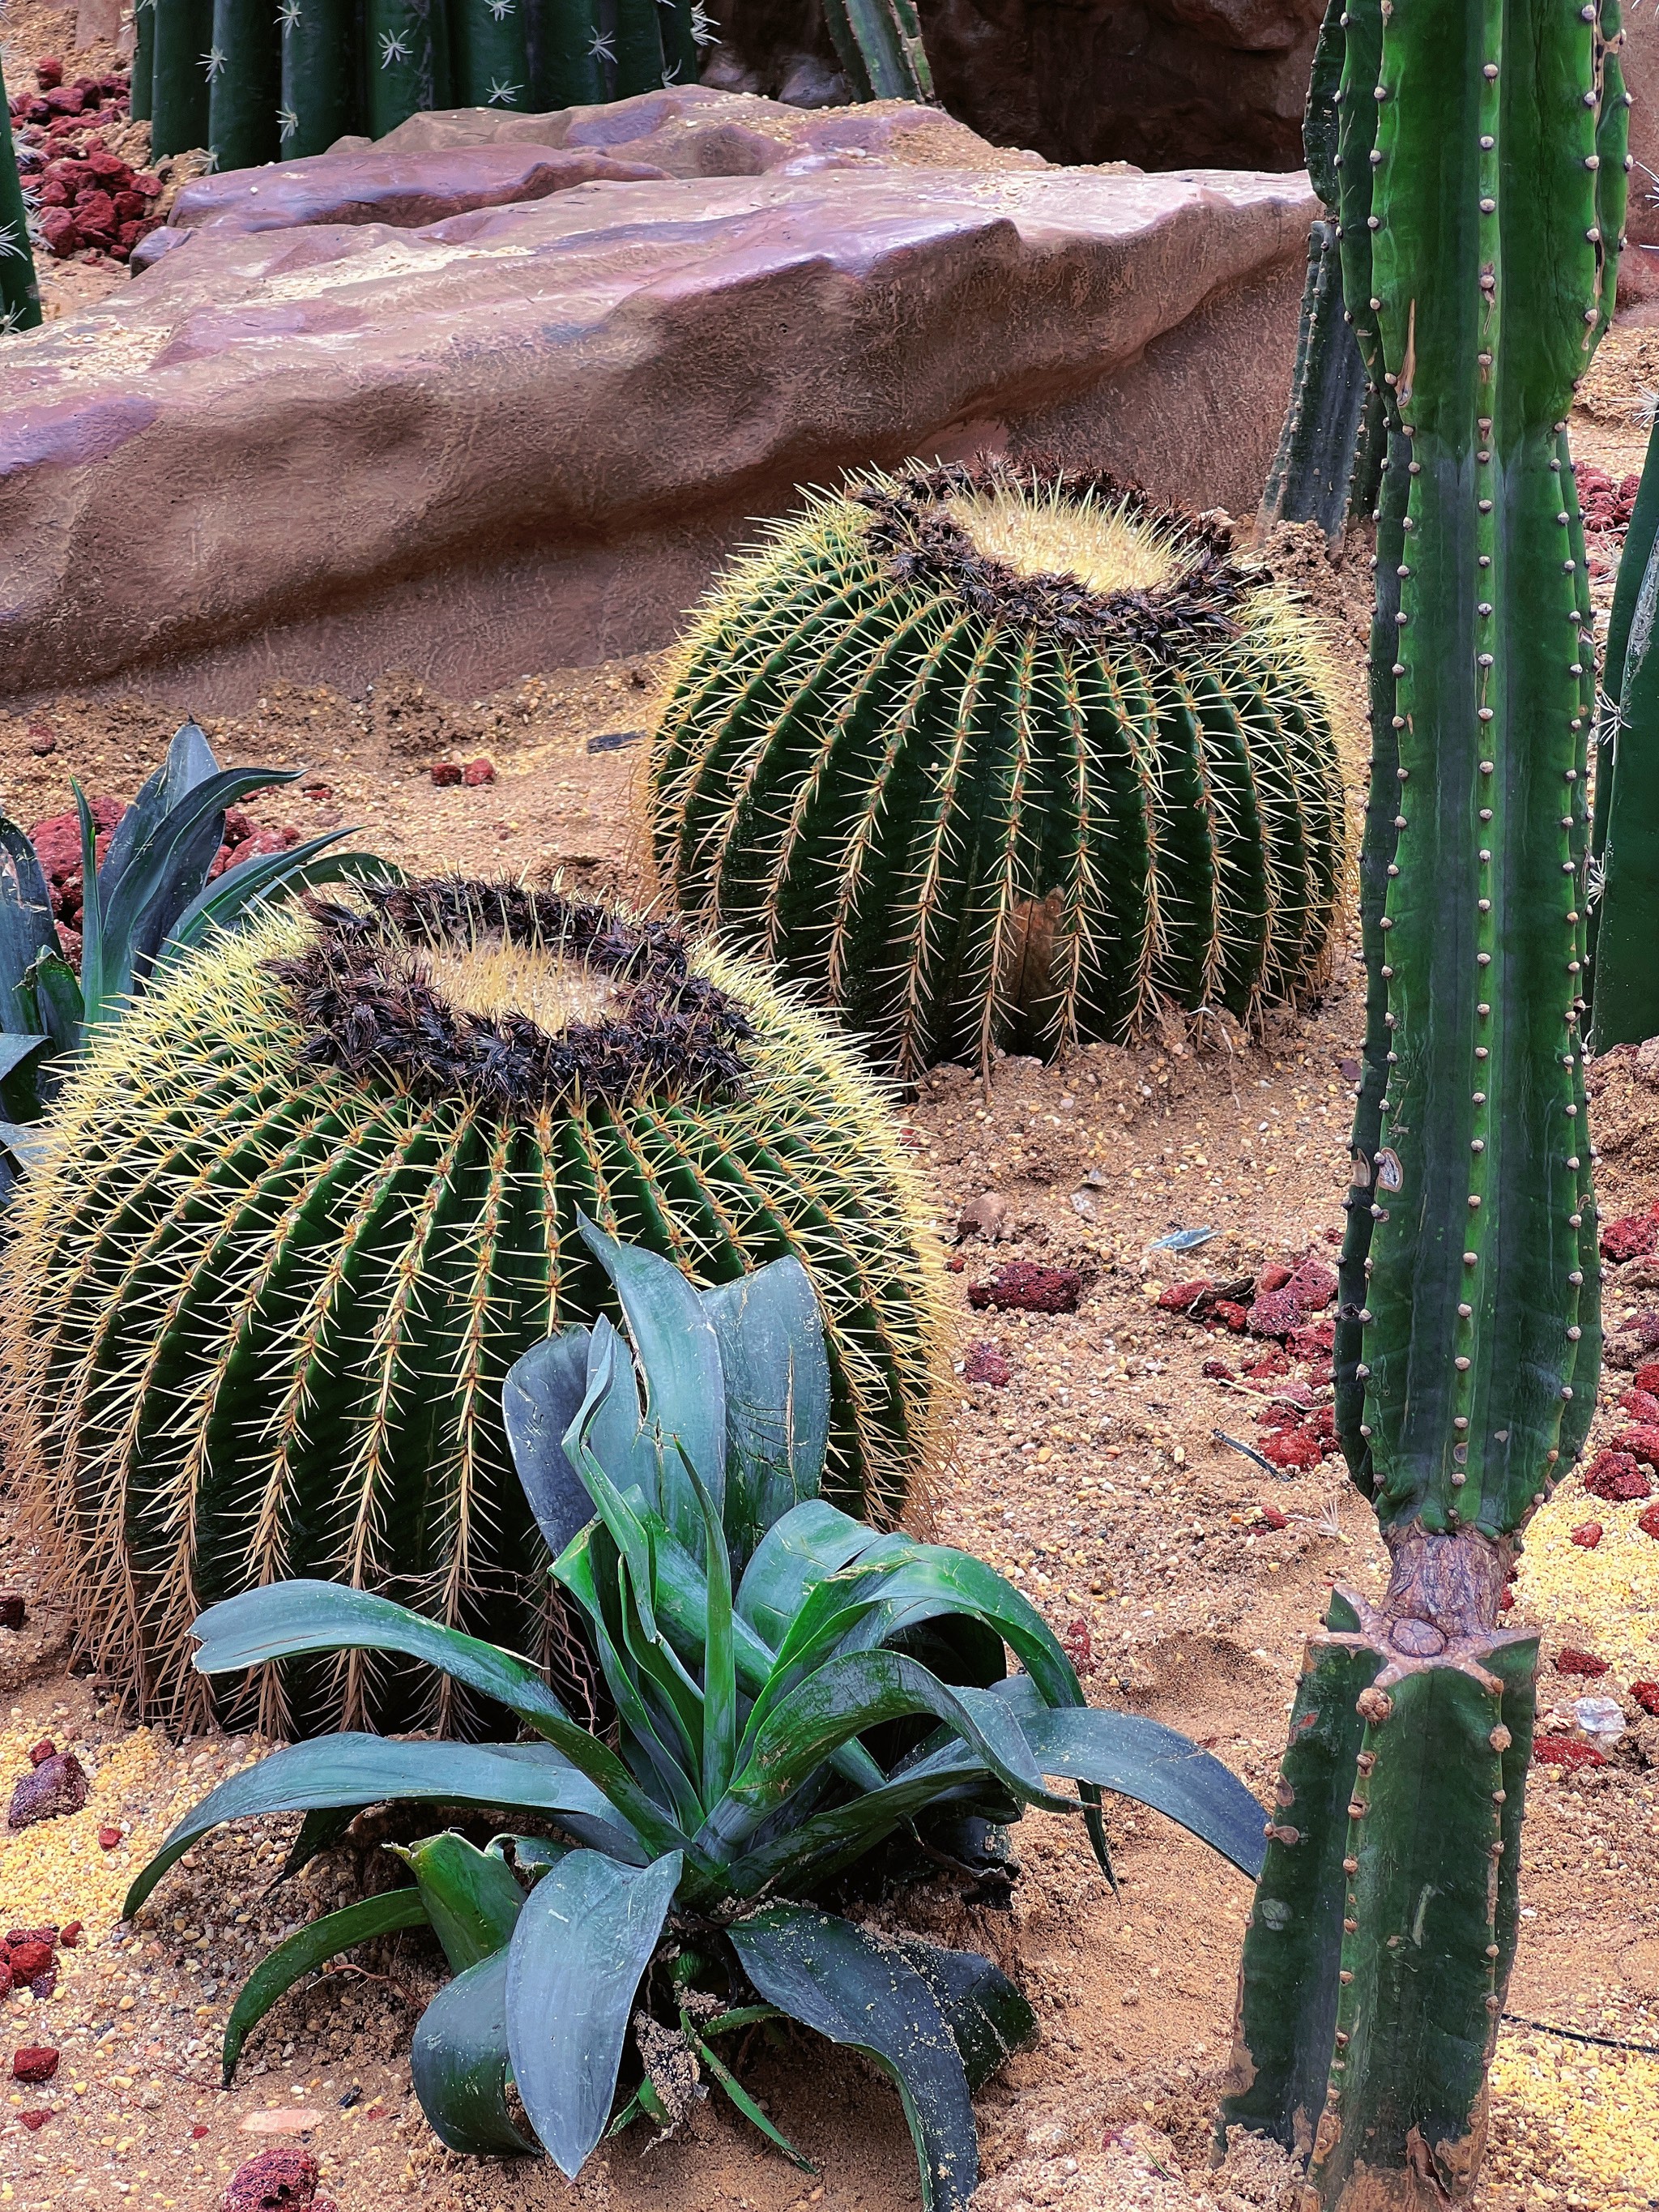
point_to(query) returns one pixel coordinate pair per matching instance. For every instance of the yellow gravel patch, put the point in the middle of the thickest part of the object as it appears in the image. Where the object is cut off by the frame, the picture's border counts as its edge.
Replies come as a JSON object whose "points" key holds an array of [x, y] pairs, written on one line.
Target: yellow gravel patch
{"points": [[57, 1871], [1611, 1594], [1598, 2104]]}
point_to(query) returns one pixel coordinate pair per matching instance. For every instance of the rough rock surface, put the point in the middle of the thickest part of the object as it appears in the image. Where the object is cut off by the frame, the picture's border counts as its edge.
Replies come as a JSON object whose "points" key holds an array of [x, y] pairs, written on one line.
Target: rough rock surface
{"points": [[525, 434], [1163, 83]]}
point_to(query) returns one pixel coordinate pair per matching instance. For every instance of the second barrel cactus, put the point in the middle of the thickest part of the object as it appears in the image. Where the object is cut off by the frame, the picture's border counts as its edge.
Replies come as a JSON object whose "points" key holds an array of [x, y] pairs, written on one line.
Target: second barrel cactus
{"points": [[299, 1212], [986, 759]]}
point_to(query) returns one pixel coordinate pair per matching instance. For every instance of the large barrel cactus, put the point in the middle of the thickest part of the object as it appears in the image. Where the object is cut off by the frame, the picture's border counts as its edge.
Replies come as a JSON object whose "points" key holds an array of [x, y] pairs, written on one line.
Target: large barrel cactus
{"points": [[1483, 181], [986, 759], [298, 1214]]}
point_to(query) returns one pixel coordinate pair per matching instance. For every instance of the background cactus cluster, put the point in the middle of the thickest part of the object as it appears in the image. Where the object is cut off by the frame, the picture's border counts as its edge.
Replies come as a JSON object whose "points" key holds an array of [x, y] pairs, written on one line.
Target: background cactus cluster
{"points": [[301, 1209], [253, 83], [986, 758]]}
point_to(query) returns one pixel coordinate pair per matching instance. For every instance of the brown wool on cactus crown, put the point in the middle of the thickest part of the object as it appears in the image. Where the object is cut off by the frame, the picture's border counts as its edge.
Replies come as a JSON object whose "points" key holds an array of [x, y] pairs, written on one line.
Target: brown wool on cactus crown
{"points": [[512, 997], [1079, 557]]}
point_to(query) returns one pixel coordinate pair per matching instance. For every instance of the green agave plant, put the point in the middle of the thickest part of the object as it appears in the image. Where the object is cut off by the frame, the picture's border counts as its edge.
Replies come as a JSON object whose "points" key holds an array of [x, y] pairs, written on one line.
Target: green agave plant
{"points": [[792, 1691], [148, 906]]}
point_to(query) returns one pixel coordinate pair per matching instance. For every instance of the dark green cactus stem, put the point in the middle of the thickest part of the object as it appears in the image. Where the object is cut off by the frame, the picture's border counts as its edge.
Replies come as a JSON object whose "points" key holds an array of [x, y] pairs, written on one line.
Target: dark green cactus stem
{"points": [[1482, 168], [144, 59], [681, 56], [406, 60], [19, 292], [879, 44], [244, 84], [566, 67], [320, 97], [639, 48], [1314, 469], [178, 84], [491, 55]]}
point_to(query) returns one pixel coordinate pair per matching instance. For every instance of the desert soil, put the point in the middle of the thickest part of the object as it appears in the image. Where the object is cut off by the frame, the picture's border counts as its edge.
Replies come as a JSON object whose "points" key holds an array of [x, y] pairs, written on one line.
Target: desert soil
{"points": [[1184, 1575]]}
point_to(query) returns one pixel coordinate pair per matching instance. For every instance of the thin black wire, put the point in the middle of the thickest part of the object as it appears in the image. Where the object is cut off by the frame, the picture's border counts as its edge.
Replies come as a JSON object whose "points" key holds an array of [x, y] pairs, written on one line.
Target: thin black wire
{"points": [[1583, 2035]]}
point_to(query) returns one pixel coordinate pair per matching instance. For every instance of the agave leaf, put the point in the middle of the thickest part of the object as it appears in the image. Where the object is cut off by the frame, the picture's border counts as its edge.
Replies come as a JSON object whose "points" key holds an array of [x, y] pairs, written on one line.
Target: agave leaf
{"points": [[532, 1855], [540, 1398], [771, 1335], [938, 1581], [291, 1961], [813, 1540], [470, 1897], [92, 910], [235, 898], [840, 1700], [610, 1384], [15, 1051], [25, 1145], [53, 990], [320, 1831], [349, 1769], [189, 761], [849, 1985], [989, 2018], [584, 1939], [740, 2096], [284, 1620], [720, 1678], [27, 929], [810, 1850], [1156, 1766], [679, 1357], [459, 2062]]}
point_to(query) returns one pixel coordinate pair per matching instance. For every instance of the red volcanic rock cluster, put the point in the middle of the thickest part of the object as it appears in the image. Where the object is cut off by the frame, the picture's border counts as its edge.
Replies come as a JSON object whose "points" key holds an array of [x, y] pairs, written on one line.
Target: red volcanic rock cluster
{"points": [[84, 196], [1605, 504]]}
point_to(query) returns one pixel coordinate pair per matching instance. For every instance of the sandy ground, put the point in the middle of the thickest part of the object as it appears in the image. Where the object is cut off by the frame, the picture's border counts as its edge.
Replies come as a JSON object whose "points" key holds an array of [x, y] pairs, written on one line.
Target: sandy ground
{"points": [[1093, 1476]]}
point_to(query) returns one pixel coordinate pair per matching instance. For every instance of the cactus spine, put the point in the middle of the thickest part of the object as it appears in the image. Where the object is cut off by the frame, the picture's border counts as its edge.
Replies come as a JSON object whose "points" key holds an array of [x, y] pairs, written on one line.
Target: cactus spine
{"points": [[299, 1212], [984, 759], [20, 291], [1483, 177]]}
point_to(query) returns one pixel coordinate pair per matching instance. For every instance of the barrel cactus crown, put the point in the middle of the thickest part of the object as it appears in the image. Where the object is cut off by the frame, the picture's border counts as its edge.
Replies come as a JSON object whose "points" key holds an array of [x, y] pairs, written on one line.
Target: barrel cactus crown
{"points": [[989, 759], [297, 1217]]}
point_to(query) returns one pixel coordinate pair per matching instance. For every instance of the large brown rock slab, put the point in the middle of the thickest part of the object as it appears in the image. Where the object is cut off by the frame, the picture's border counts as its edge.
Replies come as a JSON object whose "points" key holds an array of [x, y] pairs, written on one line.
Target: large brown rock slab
{"points": [[526, 434]]}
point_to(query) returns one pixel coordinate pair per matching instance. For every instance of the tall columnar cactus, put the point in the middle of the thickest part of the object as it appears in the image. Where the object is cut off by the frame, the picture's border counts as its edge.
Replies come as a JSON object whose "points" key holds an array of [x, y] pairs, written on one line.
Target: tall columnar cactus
{"points": [[305, 1205], [20, 293], [1483, 187], [1318, 474], [984, 759]]}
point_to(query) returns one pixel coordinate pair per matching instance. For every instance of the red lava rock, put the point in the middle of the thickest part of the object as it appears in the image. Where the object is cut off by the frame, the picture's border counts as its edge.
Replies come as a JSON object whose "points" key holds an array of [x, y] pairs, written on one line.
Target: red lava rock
{"points": [[108, 1838], [1272, 1363], [955, 1264], [47, 1935], [1646, 1695], [70, 1935], [13, 1611], [59, 234], [1180, 1295], [285, 2178], [1271, 1517], [985, 1363], [1642, 1443], [198, 2132], [1566, 1752], [445, 773], [1315, 1343], [35, 2062], [48, 72], [41, 1752], [1297, 1448], [1232, 1316], [42, 1986], [1024, 1286], [1633, 1236], [479, 771], [1641, 1406], [1275, 1313], [1217, 1370], [1647, 1378], [1588, 1534], [318, 790], [1313, 1284], [1506, 1599], [57, 1785], [1273, 1277], [29, 1959], [1078, 1646], [1615, 1476], [1648, 1522], [36, 2120], [1570, 1661]]}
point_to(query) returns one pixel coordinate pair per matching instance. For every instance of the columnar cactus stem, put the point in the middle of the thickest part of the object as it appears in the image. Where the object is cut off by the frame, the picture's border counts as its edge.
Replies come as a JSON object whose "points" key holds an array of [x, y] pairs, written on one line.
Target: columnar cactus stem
{"points": [[320, 95], [144, 59], [245, 84], [491, 53], [1482, 187], [179, 83], [20, 293]]}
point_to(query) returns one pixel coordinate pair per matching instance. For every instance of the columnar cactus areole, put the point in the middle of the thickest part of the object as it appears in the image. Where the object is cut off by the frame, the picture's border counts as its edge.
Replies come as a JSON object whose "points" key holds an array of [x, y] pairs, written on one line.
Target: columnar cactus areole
{"points": [[301, 1210], [1483, 187], [987, 758]]}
